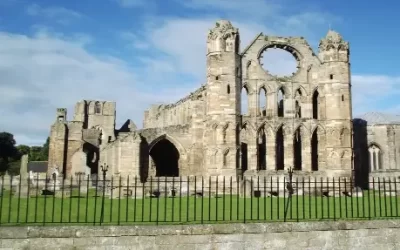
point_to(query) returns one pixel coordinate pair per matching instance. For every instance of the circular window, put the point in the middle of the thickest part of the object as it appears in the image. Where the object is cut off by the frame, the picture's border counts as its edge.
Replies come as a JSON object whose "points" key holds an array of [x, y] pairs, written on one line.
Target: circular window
{"points": [[278, 62]]}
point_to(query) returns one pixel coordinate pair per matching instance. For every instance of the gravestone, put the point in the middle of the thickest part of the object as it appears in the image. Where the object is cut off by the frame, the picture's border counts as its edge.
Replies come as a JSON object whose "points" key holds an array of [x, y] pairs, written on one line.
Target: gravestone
{"points": [[24, 177]]}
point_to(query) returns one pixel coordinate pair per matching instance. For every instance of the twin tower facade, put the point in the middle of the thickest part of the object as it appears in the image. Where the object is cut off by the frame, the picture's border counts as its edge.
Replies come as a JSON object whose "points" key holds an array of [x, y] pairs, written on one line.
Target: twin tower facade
{"points": [[304, 123], [306, 120]]}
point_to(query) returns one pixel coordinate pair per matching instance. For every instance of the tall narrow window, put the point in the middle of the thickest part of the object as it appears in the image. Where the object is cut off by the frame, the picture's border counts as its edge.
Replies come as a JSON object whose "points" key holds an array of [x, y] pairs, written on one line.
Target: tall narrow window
{"points": [[314, 151], [298, 109], [243, 148], [262, 102], [297, 150], [279, 145], [281, 108], [97, 108], [315, 103], [374, 157], [261, 150], [244, 101], [228, 89]]}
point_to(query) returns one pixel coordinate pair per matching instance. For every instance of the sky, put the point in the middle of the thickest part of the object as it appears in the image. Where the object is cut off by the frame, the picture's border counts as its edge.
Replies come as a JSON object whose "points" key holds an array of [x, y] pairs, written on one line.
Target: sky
{"points": [[54, 53]]}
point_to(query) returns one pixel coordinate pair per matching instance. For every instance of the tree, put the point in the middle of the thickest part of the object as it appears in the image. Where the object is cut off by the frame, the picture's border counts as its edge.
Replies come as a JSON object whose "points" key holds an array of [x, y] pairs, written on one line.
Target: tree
{"points": [[23, 149], [35, 153], [7, 150], [45, 150]]}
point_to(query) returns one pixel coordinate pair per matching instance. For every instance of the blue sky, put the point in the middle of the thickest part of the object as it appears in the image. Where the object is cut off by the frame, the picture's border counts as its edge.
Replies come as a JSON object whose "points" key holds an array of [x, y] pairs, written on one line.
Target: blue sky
{"points": [[54, 53]]}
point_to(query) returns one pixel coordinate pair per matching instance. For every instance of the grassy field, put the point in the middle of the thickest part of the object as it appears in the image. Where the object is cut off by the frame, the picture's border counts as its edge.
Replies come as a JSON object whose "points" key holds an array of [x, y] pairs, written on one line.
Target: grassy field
{"points": [[87, 209]]}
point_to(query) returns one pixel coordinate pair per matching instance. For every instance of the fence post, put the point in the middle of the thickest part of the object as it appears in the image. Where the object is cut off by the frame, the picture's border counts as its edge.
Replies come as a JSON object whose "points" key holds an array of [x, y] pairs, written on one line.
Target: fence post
{"points": [[104, 169], [289, 187]]}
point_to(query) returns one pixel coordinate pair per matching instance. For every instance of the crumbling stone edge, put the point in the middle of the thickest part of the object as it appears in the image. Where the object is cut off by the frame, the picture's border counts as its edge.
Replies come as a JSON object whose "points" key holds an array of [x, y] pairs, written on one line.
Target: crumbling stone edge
{"points": [[26, 232]]}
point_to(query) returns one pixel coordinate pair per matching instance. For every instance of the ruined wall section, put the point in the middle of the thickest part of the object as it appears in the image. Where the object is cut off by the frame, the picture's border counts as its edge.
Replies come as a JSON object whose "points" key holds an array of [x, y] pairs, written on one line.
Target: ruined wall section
{"points": [[57, 145], [223, 99], [327, 74], [255, 77], [335, 83], [180, 136], [74, 144], [385, 136], [122, 155], [178, 113], [58, 141], [96, 114], [298, 87]]}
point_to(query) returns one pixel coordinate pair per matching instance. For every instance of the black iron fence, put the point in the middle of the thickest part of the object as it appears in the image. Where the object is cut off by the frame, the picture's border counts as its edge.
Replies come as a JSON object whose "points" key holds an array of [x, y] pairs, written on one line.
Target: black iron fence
{"points": [[183, 200]]}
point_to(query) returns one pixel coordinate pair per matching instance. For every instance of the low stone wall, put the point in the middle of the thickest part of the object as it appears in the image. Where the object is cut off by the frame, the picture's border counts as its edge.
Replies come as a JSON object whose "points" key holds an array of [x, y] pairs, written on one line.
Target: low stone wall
{"points": [[303, 235]]}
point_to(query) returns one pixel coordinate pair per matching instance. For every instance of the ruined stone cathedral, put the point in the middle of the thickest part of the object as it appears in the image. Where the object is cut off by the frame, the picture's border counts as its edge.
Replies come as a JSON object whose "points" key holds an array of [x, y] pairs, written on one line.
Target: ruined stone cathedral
{"points": [[305, 123]]}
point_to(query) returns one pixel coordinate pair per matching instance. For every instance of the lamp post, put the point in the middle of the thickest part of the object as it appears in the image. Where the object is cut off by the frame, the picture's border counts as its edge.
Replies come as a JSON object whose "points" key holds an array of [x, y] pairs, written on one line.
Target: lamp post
{"points": [[104, 169]]}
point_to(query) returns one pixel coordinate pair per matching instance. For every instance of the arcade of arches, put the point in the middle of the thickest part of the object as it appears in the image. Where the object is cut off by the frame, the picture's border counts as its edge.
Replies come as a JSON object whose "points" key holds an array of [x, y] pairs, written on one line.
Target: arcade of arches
{"points": [[265, 108], [277, 144]]}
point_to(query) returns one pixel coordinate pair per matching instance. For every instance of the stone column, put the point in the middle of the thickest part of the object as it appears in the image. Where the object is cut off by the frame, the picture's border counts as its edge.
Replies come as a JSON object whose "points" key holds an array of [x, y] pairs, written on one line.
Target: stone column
{"points": [[371, 159], [23, 171], [271, 151], [288, 148], [306, 152], [252, 155], [136, 160]]}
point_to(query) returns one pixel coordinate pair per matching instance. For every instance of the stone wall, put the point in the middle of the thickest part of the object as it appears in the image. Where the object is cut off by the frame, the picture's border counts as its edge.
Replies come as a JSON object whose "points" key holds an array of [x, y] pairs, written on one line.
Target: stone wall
{"points": [[179, 113], [304, 235]]}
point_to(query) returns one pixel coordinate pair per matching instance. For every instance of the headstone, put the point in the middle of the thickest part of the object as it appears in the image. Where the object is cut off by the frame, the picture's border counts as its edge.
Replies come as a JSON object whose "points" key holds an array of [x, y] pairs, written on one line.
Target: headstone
{"points": [[24, 177]]}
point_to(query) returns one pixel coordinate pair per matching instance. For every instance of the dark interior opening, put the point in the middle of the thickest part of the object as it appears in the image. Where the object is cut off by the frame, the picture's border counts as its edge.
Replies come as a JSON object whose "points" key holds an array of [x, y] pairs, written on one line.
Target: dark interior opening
{"points": [[280, 154], [297, 150], [92, 157], [262, 150], [314, 151], [315, 105], [243, 147], [166, 158]]}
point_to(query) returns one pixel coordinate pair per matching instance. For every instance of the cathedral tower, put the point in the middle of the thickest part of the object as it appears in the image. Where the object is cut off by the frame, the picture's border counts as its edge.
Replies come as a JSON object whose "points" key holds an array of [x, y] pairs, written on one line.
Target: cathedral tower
{"points": [[223, 98], [336, 85]]}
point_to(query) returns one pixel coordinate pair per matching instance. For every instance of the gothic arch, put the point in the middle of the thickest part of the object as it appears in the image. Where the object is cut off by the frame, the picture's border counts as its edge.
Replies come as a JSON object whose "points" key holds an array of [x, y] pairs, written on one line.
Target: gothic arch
{"points": [[302, 129], [281, 125], [373, 143], [294, 51], [226, 125], [171, 139], [267, 128], [320, 92], [266, 87], [248, 127], [303, 91], [285, 91], [318, 128]]}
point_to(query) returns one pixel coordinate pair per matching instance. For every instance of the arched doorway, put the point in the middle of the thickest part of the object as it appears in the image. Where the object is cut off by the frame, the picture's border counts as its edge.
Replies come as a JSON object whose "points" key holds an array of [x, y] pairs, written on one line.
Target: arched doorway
{"points": [[165, 157], [92, 157]]}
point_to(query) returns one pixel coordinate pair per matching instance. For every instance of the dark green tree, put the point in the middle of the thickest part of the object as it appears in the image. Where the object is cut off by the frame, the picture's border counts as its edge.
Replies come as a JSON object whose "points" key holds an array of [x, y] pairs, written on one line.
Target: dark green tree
{"points": [[45, 150], [23, 149], [8, 151]]}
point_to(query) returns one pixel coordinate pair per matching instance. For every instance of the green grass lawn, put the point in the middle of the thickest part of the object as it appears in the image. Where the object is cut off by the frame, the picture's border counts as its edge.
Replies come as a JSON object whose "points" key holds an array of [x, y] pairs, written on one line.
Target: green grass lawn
{"points": [[86, 209]]}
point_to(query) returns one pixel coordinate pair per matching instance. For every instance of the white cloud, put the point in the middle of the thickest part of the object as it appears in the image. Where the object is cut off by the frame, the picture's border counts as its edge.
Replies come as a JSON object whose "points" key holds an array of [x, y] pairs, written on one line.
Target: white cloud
{"points": [[60, 14], [371, 92], [48, 70], [132, 3], [249, 9], [43, 72]]}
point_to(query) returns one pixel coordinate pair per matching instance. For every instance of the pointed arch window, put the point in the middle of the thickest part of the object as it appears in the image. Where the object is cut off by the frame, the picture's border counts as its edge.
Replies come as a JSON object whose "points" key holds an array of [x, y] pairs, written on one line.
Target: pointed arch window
{"points": [[374, 157], [97, 108]]}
